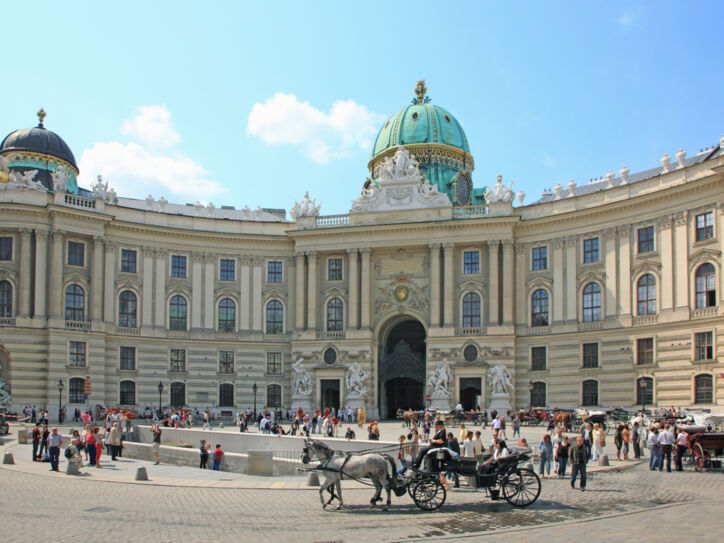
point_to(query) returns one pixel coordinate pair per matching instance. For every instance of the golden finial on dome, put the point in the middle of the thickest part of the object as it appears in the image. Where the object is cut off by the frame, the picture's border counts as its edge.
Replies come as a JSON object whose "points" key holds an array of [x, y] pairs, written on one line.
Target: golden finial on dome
{"points": [[41, 116], [421, 93]]}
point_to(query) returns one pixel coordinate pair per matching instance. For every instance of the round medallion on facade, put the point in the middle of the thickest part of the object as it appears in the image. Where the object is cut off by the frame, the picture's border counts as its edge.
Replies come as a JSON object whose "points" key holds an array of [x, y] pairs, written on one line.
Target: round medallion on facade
{"points": [[401, 293], [330, 356], [470, 353]]}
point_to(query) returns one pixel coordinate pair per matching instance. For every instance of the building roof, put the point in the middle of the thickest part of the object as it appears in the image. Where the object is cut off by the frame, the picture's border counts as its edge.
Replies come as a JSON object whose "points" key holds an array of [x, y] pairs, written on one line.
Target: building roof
{"points": [[38, 140]]}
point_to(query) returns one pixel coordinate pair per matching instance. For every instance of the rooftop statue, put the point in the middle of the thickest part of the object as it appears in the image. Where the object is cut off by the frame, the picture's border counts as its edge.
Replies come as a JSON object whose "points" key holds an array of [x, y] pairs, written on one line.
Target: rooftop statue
{"points": [[305, 208]]}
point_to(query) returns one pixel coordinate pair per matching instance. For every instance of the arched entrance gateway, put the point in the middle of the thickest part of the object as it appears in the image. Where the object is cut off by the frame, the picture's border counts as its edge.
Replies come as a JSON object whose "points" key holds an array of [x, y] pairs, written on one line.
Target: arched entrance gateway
{"points": [[402, 367]]}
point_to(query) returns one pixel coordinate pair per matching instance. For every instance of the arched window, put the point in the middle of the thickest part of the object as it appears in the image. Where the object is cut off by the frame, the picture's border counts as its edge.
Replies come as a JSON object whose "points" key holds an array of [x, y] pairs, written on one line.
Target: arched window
{"points": [[539, 308], [6, 299], [226, 395], [178, 395], [128, 393], [274, 396], [703, 388], [177, 313], [335, 313], [74, 303], [592, 303], [127, 309], [538, 394], [645, 390], [705, 286], [227, 315], [471, 310], [590, 392], [274, 317], [76, 390], [646, 295]]}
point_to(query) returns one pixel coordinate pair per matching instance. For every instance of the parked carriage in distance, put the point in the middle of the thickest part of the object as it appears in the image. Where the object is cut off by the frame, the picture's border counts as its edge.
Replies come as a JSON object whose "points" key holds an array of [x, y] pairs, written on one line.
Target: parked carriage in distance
{"points": [[706, 449]]}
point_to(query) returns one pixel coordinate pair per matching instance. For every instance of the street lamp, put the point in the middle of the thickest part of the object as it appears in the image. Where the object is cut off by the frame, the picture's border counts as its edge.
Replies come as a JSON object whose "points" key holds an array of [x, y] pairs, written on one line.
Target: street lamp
{"points": [[530, 388], [643, 383], [254, 388], [60, 400], [160, 391]]}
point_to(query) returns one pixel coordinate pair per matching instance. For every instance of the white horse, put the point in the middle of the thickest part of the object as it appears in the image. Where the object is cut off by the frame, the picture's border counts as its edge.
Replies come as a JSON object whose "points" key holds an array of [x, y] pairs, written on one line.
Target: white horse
{"points": [[350, 466]]}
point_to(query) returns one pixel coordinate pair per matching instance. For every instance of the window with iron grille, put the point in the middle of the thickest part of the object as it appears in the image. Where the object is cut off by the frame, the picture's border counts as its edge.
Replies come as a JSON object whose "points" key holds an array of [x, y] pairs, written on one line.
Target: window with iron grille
{"points": [[590, 392], [590, 250], [540, 258], [592, 302], [6, 299], [539, 308], [226, 362], [705, 282], [704, 342], [128, 358], [704, 226], [274, 363], [227, 268], [704, 389], [178, 360], [274, 396], [471, 262], [274, 271], [74, 303], [76, 354], [645, 350], [646, 295], [471, 310], [128, 260], [227, 315], [128, 393], [226, 395], [538, 358], [177, 313], [590, 355], [127, 309], [178, 395], [646, 239], [76, 390], [335, 315], [538, 395], [645, 394], [274, 317], [76, 253], [334, 269], [6, 248], [178, 266]]}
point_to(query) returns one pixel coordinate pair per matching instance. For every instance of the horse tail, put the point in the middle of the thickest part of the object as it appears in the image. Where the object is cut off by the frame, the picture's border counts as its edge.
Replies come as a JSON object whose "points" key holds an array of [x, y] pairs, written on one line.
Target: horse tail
{"points": [[393, 468]]}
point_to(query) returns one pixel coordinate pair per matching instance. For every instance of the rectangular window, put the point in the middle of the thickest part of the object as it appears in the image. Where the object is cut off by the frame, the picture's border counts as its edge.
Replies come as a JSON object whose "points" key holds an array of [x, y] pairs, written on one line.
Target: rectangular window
{"points": [[645, 350], [76, 354], [704, 226], [590, 355], [646, 239], [334, 270], [178, 266], [274, 271], [6, 248], [76, 252], [590, 250], [128, 260], [226, 270], [471, 262], [178, 360], [704, 345], [274, 363], [128, 358], [226, 362], [540, 258], [538, 358]]}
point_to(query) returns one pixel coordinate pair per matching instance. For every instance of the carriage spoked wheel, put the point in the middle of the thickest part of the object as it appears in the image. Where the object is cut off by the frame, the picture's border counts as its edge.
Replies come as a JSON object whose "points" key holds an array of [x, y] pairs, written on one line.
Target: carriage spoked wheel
{"points": [[521, 487], [429, 494], [698, 457]]}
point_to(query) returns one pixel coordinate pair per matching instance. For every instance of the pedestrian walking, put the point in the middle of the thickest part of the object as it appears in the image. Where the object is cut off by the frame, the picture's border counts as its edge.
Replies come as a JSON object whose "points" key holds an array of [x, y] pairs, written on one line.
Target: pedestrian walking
{"points": [[217, 454], [545, 453], [54, 442], [599, 441], [156, 443], [516, 426], [654, 448], [626, 438], [37, 434], [579, 458], [682, 444], [561, 456], [636, 439], [203, 454], [666, 442]]}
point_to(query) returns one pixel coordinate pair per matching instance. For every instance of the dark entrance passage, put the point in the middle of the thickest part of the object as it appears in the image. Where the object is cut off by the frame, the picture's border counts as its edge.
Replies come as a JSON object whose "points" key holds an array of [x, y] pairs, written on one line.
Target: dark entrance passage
{"points": [[402, 369], [469, 392], [330, 393]]}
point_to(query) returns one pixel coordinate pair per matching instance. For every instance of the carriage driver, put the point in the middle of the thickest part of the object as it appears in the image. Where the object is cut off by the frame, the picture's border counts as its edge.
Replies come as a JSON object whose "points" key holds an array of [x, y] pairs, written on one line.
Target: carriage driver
{"points": [[439, 439]]}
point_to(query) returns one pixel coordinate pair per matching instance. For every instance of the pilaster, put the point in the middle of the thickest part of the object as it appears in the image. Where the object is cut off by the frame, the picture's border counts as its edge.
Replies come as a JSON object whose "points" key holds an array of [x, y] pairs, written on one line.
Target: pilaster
{"points": [[96, 298], [493, 287], [365, 289], [666, 246], [681, 258], [41, 272], [508, 277], [56, 274], [448, 283], [26, 273], [353, 277], [609, 238], [435, 285], [571, 272], [300, 323], [257, 271]]}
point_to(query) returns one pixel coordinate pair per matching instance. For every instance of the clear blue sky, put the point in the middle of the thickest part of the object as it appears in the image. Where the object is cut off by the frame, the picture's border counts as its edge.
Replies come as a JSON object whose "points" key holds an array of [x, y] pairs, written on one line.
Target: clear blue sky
{"points": [[546, 91]]}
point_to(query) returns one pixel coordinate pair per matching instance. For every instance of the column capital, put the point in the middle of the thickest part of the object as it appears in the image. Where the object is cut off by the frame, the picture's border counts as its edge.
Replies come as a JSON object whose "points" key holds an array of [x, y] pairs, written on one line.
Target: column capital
{"points": [[210, 258], [299, 257], [557, 243], [98, 240], [290, 261], [571, 241], [257, 260], [625, 230], [365, 252], [609, 233], [665, 221], [160, 253], [25, 233], [520, 248], [244, 260], [111, 247], [41, 234], [507, 243], [58, 234], [493, 243], [312, 256], [197, 257], [148, 251], [448, 247], [352, 251], [435, 246], [720, 206], [681, 218]]}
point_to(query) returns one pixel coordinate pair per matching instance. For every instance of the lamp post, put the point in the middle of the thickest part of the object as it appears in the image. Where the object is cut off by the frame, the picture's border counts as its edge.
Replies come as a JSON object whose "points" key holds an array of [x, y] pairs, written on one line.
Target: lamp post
{"points": [[643, 384], [160, 391], [530, 388], [254, 388], [60, 401]]}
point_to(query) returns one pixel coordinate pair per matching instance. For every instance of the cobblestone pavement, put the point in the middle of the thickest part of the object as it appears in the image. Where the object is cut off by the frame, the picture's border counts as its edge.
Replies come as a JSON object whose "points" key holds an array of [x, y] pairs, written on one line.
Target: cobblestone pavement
{"points": [[647, 506]]}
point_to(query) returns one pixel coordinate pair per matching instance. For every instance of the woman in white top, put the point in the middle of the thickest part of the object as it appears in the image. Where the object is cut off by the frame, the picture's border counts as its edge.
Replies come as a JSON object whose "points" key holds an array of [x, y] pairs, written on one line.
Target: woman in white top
{"points": [[599, 441]]}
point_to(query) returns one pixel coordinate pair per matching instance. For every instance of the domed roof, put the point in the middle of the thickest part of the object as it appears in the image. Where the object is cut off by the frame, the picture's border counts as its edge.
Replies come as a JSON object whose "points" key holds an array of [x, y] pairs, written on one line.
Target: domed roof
{"points": [[38, 140]]}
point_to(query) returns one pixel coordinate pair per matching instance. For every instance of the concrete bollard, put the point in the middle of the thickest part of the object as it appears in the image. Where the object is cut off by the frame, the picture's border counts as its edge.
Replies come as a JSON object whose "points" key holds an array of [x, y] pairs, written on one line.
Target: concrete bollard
{"points": [[8, 458], [23, 437], [313, 479], [141, 474], [72, 468], [221, 426], [603, 460]]}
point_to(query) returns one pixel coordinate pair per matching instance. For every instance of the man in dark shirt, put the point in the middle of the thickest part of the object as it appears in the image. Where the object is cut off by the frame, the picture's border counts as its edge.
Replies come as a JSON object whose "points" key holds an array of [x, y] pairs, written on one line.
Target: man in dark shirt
{"points": [[440, 438], [579, 458], [452, 444], [37, 432]]}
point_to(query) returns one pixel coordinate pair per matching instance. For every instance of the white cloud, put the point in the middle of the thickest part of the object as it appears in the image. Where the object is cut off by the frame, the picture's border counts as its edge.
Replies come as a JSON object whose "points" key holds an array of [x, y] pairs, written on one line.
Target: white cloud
{"points": [[625, 19], [152, 125], [284, 120]]}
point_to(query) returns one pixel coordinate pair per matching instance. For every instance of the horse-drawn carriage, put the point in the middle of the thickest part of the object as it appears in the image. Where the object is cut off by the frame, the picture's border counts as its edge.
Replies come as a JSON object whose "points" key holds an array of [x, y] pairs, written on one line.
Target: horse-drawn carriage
{"points": [[502, 478], [706, 449], [4, 426]]}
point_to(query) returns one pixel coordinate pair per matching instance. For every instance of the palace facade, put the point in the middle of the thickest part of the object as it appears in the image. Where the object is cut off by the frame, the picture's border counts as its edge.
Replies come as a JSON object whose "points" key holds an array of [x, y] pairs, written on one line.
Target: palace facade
{"points": [[602, 294]]}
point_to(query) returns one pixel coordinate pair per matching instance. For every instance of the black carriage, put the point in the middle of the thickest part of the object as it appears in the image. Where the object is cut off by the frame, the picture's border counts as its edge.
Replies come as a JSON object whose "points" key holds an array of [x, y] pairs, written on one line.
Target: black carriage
{"points": [[4, 426], [706, 448]]}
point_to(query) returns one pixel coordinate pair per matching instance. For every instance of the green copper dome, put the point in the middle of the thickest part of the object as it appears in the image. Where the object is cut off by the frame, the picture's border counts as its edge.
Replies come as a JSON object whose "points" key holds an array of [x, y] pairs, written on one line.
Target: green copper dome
{"points": [[437, 140]]}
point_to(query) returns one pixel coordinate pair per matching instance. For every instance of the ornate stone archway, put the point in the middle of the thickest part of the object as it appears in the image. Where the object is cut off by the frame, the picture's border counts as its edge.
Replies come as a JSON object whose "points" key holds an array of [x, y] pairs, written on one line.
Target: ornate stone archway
{"points": [[401, 375]]}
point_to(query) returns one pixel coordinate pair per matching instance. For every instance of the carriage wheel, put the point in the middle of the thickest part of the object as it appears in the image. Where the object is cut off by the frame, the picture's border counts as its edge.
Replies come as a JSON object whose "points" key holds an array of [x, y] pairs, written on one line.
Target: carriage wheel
{"points": [[698, 457], [521, 487], [429, 494]]}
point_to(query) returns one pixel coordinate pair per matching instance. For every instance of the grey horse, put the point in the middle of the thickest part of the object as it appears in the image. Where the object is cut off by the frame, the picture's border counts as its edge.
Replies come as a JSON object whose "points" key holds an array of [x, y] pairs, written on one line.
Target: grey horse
{"points": [[336, 466]]}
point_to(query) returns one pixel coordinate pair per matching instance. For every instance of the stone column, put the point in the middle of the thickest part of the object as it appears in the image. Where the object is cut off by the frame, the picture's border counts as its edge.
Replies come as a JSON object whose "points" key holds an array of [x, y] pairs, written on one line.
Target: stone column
{"points": [[109, 290], [291, 264], [353, 278], [96, 298], [666, 247], [624, 265], [146, 302], [508, 276], [448, 284], [301, 292], [256, 278], [25, 272], [681, 257], [571, 293], [493, 287], [41, 271], [161, 273], [196, 294], [312, 294], [56, 275], [244, 293], [609, 237], [366, 298], [434, 284], [558, 286], [209, 294], [521, 300]]}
